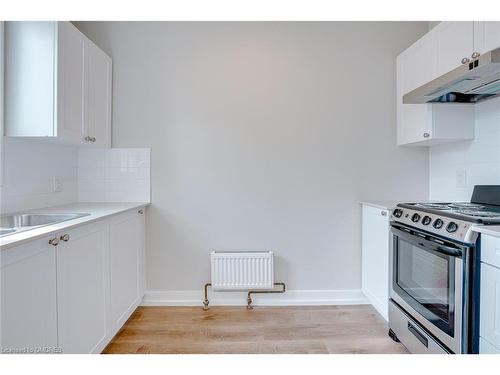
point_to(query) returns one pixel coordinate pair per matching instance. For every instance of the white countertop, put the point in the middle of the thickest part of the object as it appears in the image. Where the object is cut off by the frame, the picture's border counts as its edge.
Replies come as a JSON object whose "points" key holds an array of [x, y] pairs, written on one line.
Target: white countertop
{"points": [[96, 210], [385, 205], [492, 230], [390, 205]]}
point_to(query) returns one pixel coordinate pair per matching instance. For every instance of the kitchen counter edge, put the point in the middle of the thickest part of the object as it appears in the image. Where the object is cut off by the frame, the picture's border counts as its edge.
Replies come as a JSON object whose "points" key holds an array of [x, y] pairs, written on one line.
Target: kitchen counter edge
{"points": [[384, 205], [490, 230], [97, 211]]}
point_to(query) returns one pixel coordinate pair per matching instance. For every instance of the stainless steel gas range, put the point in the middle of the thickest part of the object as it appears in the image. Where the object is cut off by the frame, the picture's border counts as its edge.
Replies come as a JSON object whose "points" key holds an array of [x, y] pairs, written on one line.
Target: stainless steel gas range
{"points": [[434, 287]]}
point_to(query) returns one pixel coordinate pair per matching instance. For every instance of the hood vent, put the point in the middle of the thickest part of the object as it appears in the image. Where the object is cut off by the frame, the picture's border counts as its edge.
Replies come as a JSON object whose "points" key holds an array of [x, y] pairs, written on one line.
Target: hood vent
{"points": [[470, 83]]}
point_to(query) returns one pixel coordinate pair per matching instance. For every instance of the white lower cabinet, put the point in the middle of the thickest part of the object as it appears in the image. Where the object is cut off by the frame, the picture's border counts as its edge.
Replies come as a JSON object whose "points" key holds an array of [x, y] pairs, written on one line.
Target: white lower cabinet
{"points": [[486, 348], [82, 289], [75, 289], [490, 305], [375, 258], [28, 297], [126, 255], [490, 295]]}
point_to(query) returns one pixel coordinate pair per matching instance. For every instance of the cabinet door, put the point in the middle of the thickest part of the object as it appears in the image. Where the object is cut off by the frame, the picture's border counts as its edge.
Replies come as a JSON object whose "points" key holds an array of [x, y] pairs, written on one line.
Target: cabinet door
{"points": [[490, 304], [454, 41], [28, 296], [426, 124], [126, 260], [414, 123], [70, 122], [418, 63], [83, 289], [29, 78], [486, 36], [414, 120], [98, 96], [490, 250], [375, 258]]}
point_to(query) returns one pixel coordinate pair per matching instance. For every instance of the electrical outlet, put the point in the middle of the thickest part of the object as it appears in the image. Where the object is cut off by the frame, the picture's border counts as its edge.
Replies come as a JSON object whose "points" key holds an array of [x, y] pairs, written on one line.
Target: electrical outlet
{"points": [[461, 178], [57, 185]]}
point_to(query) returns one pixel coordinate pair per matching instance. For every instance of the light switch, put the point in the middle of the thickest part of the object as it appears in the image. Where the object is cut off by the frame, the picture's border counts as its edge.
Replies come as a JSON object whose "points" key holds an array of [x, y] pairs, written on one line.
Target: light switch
{"points": [[461, 178], [57, 185]]}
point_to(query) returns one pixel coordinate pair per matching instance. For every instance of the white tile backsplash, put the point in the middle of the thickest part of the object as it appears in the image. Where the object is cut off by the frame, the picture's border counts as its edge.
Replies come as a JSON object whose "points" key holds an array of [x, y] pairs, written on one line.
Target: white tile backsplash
{"points": [[114, 175], [479, 158], [88, 175], [29, 168]]}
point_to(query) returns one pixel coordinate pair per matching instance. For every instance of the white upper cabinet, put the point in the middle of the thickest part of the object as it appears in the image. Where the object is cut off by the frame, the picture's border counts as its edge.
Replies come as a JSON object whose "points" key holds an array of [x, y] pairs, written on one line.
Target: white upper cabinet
{"points": [[63, 78], [418, 63], [454, 42], [414, 68], [70, 83], [436, 53], [486, 36], [98, 96], [441, 50], [29, 78]]}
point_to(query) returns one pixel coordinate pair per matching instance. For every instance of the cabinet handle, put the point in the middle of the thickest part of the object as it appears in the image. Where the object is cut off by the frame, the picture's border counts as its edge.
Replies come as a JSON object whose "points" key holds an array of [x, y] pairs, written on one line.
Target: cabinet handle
{"points": [[65, 237], [141, 211], [54, 241], [383, 213], [93, 139], [475, 55], [465, 60], [426, 135], [87, 139]]}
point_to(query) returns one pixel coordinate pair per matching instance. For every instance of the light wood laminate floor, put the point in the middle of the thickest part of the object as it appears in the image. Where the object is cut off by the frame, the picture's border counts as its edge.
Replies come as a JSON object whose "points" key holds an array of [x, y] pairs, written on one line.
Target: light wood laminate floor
{"points": [[318, 329]]}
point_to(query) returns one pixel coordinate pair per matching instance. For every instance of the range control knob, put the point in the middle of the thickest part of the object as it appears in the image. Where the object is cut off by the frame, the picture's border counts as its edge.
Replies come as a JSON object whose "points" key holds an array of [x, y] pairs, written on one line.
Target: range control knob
{"points": [[451, 227], [415, 218], [426, 220], [438, 223], [398, 212]]}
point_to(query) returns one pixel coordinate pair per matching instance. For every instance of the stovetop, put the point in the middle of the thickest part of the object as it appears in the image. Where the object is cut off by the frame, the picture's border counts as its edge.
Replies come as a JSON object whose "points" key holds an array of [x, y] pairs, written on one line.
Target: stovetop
{"points": [[471, 212], [453, 220]]}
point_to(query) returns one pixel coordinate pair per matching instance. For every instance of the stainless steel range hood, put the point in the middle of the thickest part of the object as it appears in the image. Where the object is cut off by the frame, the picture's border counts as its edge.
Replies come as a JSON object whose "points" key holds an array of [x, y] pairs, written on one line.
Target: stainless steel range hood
{"points": [[473, 82]]}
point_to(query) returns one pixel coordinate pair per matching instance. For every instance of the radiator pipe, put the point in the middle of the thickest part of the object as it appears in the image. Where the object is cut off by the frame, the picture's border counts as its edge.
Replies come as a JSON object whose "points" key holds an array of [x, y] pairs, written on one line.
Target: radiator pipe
{"points": [[205, 301], [249, 298]]}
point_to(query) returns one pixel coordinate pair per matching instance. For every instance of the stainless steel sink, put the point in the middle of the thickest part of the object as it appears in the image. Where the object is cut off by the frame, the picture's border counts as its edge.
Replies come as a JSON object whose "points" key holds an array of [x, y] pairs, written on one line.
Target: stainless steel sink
{"points": [[10, 224], [4, 232]]}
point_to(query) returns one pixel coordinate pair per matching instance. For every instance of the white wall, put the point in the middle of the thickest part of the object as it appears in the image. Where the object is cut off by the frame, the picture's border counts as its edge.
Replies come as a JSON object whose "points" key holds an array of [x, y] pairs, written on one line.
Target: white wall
{"points": [[478, 159], [29, 168], [263, 136]]}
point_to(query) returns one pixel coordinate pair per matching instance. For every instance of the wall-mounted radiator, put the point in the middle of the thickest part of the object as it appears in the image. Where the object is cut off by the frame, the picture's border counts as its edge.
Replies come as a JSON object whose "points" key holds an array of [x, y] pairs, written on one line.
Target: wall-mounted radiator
{"points": [[242, 270]]}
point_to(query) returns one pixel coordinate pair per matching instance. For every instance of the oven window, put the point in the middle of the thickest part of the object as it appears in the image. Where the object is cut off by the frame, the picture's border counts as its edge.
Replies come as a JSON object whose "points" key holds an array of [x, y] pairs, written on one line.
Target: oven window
{"points": [[425, 279]]}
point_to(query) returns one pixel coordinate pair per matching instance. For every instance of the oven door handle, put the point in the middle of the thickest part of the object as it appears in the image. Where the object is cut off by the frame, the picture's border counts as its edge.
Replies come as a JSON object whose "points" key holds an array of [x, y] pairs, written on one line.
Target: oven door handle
{"points": [[428, 245]]}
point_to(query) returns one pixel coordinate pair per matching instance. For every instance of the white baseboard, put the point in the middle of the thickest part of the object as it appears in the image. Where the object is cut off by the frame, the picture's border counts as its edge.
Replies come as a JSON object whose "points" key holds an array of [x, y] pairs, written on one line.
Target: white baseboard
{"points": [[289, 298]]}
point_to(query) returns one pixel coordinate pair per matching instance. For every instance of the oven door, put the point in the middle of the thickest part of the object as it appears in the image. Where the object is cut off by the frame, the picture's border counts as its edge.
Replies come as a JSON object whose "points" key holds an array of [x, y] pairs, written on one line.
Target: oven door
{"points": [[426, 281]]}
